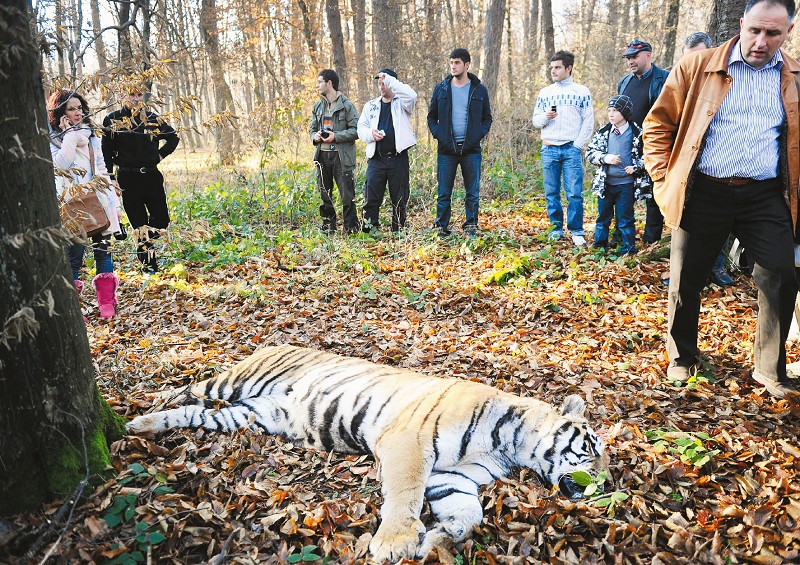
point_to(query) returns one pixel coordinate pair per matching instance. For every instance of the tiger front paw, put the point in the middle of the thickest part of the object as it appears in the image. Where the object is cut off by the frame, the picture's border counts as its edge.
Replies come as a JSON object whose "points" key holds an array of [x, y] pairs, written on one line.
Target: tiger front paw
{"points": [[396, 540]]}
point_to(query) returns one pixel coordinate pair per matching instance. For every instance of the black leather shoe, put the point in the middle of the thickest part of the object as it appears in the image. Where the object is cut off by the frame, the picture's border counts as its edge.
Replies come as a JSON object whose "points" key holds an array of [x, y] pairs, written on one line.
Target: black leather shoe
{"points": [[720, 277]]}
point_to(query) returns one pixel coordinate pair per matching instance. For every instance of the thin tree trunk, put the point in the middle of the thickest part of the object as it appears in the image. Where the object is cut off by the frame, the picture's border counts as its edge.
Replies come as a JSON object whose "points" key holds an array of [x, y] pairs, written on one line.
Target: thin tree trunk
{"points": [[125, 51], [99, 43], [587, 27], [670, 32], [308, 31], [492, 43], [227, 136], [533, 40], [337, 41], [51, 414], [723, 21], [385, 22], [547, 27], [61, 42], [360, 43]]}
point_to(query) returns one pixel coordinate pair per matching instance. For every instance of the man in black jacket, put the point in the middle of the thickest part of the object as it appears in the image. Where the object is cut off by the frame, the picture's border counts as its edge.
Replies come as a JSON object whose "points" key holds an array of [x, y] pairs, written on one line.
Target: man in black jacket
{"points": [[132, 140], [459, 117]]}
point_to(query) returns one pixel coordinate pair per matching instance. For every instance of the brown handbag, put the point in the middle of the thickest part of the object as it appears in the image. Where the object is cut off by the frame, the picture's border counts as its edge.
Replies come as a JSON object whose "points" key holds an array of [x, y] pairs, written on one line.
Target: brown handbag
{"points": [[85, 214]]}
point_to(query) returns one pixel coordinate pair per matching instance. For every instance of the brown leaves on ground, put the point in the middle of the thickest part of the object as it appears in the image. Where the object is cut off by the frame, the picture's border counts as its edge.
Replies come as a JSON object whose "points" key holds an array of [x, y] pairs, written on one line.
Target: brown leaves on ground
{"points": [[570, 326]]}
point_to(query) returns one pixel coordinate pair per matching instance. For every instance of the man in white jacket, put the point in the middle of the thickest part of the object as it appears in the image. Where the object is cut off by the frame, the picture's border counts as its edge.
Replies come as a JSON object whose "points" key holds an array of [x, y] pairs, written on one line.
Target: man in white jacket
{"points": [[565, 115], [385, 126]]}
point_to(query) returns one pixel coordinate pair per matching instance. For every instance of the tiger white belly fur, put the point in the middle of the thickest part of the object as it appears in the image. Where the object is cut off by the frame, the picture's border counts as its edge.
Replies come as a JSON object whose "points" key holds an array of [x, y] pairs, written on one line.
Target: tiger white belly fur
{"points": [[434, 438]]}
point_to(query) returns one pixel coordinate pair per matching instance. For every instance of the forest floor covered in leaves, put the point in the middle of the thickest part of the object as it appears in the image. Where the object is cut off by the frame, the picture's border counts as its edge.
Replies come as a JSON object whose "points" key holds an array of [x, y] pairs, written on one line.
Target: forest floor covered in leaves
{"points": [[706, 472]]}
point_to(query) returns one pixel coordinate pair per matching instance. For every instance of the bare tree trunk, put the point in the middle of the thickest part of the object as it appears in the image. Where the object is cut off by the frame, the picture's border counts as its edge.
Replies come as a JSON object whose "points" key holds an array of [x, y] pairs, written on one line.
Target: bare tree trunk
{"points": [[360, 43], [337, 42], [99, 43], [547, 27], [492, 43], [308, 31], [61, 42], [586, 26], [385, 22], [532, 38], [145, 38], [51, 414], [723, 22], [227, 136], [670, 32], [125, 51]]}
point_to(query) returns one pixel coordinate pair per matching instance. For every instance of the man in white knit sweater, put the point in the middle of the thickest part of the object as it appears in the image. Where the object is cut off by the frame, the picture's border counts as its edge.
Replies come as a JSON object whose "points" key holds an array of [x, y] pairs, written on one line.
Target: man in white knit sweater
{"points": [[565, 115]]}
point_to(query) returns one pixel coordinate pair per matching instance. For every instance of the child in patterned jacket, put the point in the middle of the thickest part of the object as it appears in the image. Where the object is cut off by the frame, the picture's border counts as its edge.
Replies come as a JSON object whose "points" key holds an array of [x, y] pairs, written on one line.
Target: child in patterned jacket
{"points": [[616, 150]]}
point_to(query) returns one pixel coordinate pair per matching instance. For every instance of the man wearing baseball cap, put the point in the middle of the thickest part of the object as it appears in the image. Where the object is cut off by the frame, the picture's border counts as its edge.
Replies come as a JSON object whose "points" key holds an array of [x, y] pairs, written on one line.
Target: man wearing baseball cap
{"points": [[643, 85], [385, 126]]}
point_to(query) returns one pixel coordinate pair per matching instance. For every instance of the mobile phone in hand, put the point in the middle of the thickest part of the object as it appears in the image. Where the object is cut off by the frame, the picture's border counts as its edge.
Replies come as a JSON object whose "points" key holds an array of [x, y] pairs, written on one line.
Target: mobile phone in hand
{"points": [[553, 108]]}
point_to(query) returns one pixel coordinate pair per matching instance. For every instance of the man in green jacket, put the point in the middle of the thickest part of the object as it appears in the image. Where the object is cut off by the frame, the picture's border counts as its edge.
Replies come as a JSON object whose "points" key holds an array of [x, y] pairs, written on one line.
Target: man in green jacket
{"points": [[333, 130]]}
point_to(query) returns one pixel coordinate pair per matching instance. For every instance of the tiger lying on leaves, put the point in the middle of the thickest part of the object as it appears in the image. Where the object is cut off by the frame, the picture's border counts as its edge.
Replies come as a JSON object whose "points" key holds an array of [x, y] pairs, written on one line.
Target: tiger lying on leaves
{"points": [[434, 438]]}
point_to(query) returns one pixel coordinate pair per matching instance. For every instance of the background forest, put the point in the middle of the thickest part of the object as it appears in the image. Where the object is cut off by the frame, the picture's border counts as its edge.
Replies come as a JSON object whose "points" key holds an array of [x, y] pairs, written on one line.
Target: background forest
{"points": [[253, 64]]}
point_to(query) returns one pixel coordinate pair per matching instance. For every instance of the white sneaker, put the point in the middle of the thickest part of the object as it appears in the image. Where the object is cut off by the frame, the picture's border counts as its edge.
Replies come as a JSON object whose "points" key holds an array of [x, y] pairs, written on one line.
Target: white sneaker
{"points": [[578, 240]]}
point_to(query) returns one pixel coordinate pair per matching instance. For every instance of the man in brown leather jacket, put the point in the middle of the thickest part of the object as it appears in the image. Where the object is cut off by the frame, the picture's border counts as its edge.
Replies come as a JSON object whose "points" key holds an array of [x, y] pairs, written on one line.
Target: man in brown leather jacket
{"points": [[721, 144]]}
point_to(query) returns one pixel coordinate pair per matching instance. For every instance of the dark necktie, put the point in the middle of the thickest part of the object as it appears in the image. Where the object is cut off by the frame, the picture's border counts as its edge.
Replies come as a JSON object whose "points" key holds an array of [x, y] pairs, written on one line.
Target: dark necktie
{"points": [[616, 131]]}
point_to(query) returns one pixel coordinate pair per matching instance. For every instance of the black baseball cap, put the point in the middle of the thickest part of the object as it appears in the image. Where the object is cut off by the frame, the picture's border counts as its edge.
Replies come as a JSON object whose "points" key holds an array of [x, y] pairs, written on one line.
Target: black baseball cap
{"points": [[389, 72], [635, 47]]}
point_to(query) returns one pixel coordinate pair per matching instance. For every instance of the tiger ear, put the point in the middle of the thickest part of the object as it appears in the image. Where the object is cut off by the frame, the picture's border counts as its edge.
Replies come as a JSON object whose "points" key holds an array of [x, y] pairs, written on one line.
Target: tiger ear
{"points": [[573, 406]]}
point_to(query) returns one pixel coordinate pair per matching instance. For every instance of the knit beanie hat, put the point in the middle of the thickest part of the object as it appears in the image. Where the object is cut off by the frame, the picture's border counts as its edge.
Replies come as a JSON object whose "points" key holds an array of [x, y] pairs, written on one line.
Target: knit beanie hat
{"points": [[622, 103]]}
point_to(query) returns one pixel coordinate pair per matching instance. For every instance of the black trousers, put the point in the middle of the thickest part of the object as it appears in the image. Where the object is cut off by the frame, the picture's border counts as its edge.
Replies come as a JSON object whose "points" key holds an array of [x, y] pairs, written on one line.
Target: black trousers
{"points": [[144, 199], [757, 214], [653, 222], [329, 169], [382, 170]]}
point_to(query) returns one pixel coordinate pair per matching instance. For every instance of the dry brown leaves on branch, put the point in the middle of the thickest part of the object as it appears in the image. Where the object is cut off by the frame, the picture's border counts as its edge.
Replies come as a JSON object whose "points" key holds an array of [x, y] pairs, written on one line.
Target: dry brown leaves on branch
{"points": [[571, 326]]}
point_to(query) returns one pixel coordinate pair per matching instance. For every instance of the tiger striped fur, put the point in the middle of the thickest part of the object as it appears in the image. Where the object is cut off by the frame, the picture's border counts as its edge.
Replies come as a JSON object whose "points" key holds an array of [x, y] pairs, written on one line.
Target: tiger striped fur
{"points": [[434, 438]]}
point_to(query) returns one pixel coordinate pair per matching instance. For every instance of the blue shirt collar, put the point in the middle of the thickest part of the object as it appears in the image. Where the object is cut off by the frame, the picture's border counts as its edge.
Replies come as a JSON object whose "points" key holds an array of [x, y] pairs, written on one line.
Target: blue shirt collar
{"points": [[736, 57], [645, 75]]}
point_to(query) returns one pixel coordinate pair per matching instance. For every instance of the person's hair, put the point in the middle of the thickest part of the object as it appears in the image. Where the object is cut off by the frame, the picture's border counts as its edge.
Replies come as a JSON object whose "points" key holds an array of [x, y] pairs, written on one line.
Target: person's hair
{"points": [[788, 4], [330, 75], [696, 38], [566, 57], [57, 107], [462, 54]]}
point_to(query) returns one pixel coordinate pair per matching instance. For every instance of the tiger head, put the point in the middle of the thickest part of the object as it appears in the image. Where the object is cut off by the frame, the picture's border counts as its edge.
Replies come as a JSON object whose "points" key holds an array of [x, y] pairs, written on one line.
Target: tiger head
{"points": [[564, 443]]}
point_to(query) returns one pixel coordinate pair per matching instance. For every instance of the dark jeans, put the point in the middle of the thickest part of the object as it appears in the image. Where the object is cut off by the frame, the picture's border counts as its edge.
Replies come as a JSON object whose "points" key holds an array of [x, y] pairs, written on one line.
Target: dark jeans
{"points": [[756, 214], [446, 166], [653, 222], [144, 199], [391, 169], [329, 170], [102, 256], [619, 199]]}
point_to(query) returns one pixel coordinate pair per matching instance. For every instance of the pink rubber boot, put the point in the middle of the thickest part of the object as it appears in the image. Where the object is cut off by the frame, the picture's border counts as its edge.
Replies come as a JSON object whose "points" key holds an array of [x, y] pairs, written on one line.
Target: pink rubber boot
{"points": [[79, 286], [105, 284]]}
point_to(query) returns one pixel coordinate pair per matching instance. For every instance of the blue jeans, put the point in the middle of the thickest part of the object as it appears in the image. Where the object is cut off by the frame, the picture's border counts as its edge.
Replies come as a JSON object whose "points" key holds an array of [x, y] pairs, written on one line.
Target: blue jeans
{"points": [[563, 161], [102, 256], [619, 198], [446, 176]]}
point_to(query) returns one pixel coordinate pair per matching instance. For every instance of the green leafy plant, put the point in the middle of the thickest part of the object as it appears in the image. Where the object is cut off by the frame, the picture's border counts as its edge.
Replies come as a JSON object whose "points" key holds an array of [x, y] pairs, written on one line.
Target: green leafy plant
{"points": [[689, 447], [306, 555], [123, 513], [611, 502], [591, 484]]}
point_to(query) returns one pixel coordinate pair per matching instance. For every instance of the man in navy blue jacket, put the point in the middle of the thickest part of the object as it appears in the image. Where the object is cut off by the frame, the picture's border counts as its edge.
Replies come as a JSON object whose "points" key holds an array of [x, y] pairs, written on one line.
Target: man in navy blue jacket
{"points": [[459, 117], [643, 84]]}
